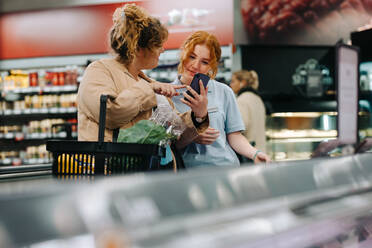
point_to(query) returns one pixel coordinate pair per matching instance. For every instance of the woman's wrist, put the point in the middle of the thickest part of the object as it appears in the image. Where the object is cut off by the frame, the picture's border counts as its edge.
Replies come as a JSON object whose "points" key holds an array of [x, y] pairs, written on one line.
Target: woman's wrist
{"points": [[202, 116], [255, 155], [197, 120]]}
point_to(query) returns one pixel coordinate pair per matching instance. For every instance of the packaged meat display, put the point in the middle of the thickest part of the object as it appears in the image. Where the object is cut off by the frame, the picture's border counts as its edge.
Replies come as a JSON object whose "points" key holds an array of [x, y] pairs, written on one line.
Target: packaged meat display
{"points": [[303, 21]]}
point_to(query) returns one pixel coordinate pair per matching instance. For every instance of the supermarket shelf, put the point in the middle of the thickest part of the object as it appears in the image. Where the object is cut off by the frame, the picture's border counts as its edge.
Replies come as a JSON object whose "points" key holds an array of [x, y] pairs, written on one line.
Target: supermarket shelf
{"points": [[17, 119], [47, 62], [9, 145], [35, 136], [25, 171], [38, 111], [43, 90], [19, 162], [25, 168]]}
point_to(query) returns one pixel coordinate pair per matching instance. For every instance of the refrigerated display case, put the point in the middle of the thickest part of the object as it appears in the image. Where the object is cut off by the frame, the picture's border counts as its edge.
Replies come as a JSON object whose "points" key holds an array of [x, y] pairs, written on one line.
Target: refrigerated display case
{"points": [[295, 135], [311, 203]]}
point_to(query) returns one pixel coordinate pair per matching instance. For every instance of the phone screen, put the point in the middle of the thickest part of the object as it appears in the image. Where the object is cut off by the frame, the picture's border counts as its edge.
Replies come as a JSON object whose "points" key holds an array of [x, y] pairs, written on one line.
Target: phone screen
{"points": [[195, 83]]}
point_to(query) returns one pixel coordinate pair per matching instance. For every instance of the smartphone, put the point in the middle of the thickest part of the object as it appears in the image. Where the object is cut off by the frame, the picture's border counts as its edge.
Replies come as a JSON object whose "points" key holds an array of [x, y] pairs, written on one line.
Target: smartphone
{"points": [[195, 83]]}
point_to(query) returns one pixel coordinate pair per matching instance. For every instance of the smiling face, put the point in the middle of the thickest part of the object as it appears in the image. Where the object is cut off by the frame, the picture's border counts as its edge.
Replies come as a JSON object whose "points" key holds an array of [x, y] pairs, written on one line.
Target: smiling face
{"points": [[198, 61]]}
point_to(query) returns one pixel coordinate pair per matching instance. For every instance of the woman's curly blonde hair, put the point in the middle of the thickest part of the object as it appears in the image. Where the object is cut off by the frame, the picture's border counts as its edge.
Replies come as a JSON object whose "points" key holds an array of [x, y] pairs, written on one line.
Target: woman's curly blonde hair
{"points": [[201, 38], [133, 28]]}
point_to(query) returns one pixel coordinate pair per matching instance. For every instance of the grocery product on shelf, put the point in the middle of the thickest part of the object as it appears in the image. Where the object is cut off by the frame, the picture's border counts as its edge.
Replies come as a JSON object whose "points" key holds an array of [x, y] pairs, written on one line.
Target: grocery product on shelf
{"points": [[36, 105]]}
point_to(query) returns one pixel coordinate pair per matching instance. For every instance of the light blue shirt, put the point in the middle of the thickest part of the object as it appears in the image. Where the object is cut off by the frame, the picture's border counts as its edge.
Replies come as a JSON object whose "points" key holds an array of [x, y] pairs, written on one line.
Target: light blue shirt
{"points": [[224, 115]]}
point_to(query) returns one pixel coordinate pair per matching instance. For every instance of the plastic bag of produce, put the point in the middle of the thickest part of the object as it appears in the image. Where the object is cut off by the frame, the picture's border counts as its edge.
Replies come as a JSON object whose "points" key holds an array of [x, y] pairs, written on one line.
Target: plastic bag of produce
{"points": [[164, 125]]}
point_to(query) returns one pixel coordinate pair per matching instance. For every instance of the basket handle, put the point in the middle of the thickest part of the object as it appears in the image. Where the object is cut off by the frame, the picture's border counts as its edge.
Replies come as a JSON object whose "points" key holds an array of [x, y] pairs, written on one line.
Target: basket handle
{"points": [[102, 119]]}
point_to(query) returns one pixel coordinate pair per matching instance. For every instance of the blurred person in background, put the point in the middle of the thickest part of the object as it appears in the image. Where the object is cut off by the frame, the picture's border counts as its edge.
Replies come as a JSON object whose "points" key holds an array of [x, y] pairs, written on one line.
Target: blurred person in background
{"points": [[245, 85], [137, 41], [201, 53]]}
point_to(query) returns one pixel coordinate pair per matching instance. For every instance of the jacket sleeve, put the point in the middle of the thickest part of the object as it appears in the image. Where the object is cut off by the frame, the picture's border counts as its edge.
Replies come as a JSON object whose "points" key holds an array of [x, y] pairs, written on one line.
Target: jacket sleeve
{"points": [[123, 106], [244, 107]]}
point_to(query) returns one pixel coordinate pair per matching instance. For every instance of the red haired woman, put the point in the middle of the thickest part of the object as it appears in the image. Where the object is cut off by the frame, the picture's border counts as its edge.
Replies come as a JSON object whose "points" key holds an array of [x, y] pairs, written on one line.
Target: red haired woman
{"points": [[201, 53]]}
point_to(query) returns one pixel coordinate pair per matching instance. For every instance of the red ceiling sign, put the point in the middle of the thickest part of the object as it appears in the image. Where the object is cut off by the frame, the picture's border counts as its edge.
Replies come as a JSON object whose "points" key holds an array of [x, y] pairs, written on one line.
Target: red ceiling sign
{"points": [[84, 30], [185, 17]]}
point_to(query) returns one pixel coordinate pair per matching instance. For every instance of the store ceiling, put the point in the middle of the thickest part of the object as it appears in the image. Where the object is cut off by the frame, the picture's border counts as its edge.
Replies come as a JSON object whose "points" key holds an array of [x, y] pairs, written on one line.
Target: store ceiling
{"points": [[22, 5]]}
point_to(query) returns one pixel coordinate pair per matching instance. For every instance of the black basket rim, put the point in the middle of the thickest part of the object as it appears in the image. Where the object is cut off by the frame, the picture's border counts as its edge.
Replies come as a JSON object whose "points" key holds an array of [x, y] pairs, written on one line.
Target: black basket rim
{"points": [[95, 147]]}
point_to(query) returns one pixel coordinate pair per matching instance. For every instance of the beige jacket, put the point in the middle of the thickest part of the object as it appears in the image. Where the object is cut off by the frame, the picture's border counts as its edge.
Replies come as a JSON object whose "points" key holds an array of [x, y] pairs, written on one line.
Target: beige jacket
{"points": [[253, 113], [133, 101]]}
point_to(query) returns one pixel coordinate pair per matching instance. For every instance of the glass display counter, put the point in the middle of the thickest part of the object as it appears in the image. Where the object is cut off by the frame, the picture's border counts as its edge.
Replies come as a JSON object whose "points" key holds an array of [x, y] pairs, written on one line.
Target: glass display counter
{"points": [[311, 203], [295, 135]]}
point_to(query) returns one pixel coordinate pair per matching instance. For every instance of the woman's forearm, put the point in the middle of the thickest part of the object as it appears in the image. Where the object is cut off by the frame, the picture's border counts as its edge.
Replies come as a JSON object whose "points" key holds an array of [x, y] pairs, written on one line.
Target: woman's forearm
{"points": [[241, 145]]}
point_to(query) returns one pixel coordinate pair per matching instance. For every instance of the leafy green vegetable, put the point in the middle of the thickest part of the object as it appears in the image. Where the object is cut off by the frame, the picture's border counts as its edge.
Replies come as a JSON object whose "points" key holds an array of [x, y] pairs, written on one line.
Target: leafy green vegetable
{"points": [[144, 132]]}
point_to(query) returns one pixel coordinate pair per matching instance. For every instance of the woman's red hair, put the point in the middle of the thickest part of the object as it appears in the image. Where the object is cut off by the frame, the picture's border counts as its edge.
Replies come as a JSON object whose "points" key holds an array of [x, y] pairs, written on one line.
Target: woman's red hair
{"points": [[201, 38]]}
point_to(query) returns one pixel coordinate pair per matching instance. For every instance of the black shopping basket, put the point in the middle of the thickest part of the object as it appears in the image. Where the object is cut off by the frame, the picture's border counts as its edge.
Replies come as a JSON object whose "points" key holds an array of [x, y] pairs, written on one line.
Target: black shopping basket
{"points": [[103, 158]]}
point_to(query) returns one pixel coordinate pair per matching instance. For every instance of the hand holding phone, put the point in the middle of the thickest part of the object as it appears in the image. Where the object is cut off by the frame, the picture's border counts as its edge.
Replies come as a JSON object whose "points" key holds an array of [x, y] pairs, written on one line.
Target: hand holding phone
{"points": [[196, 97], [195, 83]]}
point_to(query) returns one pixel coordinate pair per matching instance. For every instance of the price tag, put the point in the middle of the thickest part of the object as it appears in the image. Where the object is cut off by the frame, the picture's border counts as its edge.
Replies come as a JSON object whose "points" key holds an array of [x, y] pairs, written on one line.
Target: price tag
{"points": [[17, 161], [7, 161], [9, 135], [54, 89], [8, 112], [43, 135], [43, 110], [62, 110], [27, 111], [19, 136], [64, 88], [53, 110], [62, 135], [34, 136], [163, 74], [32, 161], [17, 111], [35, 111], [27, 90], [71, 110], [70, 87], [47, 89]]}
